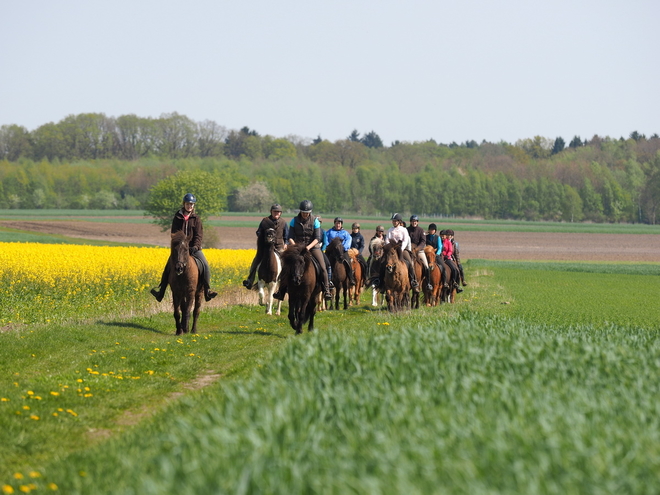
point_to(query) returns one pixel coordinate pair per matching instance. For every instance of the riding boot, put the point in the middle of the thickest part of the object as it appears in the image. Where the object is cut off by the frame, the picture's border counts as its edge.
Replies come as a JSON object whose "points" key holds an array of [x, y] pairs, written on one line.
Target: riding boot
{"points": [[281, 292], [208, 293], [160, 293], [249, 282], [349, 272], [460, 269]]}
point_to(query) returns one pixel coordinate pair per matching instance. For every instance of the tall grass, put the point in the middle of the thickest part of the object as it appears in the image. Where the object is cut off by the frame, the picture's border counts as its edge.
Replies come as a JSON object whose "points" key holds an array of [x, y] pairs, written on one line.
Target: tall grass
{"points": [[466, 404]]}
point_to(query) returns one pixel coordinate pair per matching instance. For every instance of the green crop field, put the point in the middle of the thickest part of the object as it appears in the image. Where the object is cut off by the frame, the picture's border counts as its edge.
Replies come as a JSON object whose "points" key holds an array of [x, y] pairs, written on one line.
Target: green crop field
{"points": [[542, 378]]}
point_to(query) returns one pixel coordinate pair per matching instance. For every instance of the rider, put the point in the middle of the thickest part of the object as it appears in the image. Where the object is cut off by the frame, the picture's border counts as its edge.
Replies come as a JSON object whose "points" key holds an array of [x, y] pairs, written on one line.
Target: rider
{"points": [[305, 229], [433, 240], [338, 231], [457, 256], [380, 234], [357, 242], [447, 252], [273, 221], [187, 220], [418, 238], [399, 233]]}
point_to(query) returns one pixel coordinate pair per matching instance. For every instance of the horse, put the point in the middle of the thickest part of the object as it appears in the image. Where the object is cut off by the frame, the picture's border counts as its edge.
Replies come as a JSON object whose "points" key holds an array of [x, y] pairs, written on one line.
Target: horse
{"points": [[431, 297], [355, 291], [419, 275], [303, 286], [448, 291], [396, 282], [268, 272], [186, 283], [340, 280], [373, 267]]}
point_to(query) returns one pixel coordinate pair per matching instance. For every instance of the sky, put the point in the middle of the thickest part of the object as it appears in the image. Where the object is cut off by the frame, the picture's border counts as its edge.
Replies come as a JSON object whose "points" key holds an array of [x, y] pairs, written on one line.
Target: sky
{"points": [[409, 70]]}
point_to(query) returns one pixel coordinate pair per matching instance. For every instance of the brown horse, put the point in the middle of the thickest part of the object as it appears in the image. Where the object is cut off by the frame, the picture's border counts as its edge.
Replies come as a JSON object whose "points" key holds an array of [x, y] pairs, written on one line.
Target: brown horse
{"points": [[300, 278], [373, 267], [355, 291], [186, 284], [267, 272], [340, 280], [448, 290], [396, 281], [419, 275], [432, 297]]}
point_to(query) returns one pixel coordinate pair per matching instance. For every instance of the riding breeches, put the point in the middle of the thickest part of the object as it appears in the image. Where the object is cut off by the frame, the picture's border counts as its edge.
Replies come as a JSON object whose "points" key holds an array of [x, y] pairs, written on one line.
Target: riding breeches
{"points": [[320, 257]]}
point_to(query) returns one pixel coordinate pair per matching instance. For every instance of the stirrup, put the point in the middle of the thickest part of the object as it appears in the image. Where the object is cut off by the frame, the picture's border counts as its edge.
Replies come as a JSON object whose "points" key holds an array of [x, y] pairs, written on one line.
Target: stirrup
{"points": [[279, 295], [210, 294], [327, 295], [247, 284]]}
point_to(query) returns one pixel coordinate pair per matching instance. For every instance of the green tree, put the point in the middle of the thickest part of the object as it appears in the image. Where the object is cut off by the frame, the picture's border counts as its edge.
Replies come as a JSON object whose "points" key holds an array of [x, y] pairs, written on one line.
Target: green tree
{"points": [[165, 197], [372, 140], [558, 145], [571, 208], [14, 142]]}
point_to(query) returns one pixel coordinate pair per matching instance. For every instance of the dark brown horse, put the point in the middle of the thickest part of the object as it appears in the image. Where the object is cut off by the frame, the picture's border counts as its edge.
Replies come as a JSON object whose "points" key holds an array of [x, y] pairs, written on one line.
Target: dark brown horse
{"points": [[267, 273], [448, 290], [186, 284], [300, 278], [373, 266], [396, 282], [340, 279]]}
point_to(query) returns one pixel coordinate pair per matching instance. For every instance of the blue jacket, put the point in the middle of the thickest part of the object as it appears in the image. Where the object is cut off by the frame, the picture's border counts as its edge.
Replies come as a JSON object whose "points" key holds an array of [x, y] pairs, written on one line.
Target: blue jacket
{"points": [[342, 234]]}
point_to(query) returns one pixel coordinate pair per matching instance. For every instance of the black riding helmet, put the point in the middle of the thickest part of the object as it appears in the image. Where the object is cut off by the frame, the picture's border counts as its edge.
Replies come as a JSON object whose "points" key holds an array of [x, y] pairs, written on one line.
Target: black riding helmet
{"points": [[397, 217], [339, 219], [276, 207], [306, 206], [189, 198], [433, 227]]}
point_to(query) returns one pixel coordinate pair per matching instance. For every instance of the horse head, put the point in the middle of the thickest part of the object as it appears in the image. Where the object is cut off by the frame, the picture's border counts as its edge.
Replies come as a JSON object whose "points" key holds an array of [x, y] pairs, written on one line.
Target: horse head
{"points": [[392, 256], [377, 248], [430, 254], [180, 251], [269, 237]]}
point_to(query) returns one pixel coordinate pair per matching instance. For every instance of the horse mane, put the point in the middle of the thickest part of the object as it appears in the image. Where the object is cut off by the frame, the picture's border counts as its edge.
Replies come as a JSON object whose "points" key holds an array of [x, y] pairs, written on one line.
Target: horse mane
{"points": [[393, 246], [429, 251], [353, 253], [376, 242], [178, 237], [294, 251], [335, 247]]}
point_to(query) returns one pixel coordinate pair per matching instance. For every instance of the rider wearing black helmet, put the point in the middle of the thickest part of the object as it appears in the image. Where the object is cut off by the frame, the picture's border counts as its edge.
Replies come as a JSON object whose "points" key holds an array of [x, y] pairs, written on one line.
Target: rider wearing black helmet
{"points": [[338, 231], [273, 221], [187, 220], [305, 229], [418, 239]]}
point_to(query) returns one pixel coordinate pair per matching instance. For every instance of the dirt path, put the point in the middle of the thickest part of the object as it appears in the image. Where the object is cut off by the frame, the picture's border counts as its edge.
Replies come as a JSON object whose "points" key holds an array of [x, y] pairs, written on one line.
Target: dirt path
{"points": [[485, 245]]}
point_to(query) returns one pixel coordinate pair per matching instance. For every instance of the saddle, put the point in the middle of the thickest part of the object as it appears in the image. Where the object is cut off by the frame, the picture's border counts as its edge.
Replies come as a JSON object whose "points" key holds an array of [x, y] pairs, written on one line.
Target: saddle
{"points": [[200, 267], [317, 268]]}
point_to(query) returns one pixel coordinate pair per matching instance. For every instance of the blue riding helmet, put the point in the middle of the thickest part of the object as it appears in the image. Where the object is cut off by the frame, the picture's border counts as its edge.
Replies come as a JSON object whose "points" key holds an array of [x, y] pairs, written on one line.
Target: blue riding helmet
{"points": [[414, 218], [189, 198]]}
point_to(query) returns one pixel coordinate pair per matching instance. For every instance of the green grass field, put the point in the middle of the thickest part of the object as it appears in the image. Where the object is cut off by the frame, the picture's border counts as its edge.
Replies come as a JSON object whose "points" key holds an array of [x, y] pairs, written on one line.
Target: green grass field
{"points": [[543, 378]]}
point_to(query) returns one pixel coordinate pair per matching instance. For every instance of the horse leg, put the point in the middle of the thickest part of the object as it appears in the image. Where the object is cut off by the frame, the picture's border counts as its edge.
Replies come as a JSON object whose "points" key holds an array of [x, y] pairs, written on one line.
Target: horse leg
{"points": [[311, 311], [196, 310], [374, 298], [260, 285], [269, 299]]}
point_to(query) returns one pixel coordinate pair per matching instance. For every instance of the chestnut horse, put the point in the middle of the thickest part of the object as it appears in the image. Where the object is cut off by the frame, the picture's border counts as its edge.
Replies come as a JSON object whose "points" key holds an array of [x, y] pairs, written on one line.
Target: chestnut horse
{"points": [[267, 272], [185, 282], [355, 291], [340, 278], [432, 297], [300, 277], [396, 282]]}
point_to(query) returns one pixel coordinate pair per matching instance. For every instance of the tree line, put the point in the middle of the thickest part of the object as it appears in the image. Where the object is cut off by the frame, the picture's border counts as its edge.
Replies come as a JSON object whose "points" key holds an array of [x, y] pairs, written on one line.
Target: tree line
{"points": [[94, 161]]}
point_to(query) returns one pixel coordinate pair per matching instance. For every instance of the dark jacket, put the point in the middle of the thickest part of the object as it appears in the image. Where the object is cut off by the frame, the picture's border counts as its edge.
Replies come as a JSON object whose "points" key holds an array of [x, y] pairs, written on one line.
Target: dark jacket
{"points": [[417, 237], [305, 231], [357, 241], [192, 227], [433, 240], [281, 232]]}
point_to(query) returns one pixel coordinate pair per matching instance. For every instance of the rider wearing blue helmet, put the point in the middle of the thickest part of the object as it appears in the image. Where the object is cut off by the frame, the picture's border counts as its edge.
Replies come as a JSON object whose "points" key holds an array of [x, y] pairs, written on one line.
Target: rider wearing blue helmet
{"points": [[186, 219]]}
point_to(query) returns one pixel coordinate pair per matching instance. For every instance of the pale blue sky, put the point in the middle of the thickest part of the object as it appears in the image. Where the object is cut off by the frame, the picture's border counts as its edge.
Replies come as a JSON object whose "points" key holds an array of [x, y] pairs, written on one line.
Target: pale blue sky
{"points": [[410, 70]]}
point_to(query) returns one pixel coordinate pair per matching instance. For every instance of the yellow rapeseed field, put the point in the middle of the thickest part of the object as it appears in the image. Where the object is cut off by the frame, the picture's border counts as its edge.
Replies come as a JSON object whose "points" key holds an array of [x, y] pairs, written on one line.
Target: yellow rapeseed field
{"points": [[51, 282]]}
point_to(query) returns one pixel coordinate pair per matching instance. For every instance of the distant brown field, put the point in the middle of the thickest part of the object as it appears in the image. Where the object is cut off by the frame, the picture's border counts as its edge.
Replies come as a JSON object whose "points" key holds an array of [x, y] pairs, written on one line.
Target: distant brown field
{"points": [[485, 245]]}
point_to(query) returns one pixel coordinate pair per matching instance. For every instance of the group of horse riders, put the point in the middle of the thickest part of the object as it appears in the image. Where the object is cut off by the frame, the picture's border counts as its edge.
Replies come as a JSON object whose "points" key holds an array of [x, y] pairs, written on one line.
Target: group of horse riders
{"points": [[306, 229]]}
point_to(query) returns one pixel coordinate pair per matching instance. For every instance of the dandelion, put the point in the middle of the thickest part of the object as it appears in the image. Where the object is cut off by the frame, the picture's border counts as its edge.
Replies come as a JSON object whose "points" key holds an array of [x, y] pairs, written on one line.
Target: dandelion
{"points": [[27, 408], [34, 416], [34, 474], [8, 489], [18, 476], [72, 413], [54, 394], [52, 486], [4, 399]]}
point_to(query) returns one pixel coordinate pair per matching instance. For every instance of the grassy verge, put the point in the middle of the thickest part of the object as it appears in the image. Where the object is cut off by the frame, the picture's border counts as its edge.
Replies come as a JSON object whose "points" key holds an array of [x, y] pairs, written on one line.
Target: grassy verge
{"points": [[482, 396]]}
